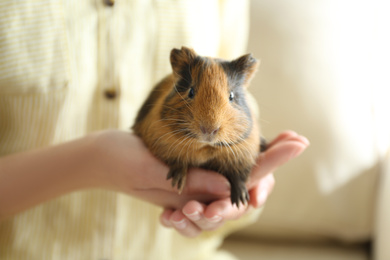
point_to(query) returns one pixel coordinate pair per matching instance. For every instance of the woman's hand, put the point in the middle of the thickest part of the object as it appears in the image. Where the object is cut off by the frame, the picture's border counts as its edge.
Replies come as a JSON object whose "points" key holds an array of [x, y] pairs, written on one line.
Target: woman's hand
{"points": [[196, 216], [123, 163], [108, 159], [119, 161]]}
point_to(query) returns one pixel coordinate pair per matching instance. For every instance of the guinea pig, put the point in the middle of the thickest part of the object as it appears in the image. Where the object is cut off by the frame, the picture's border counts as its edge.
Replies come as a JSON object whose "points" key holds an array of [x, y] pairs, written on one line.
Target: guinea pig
{"points": [[198, 116]]}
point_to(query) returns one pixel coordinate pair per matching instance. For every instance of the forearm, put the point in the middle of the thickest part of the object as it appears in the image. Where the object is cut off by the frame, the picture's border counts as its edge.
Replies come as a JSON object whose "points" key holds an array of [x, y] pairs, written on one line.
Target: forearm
{"points": [[33, 177]]}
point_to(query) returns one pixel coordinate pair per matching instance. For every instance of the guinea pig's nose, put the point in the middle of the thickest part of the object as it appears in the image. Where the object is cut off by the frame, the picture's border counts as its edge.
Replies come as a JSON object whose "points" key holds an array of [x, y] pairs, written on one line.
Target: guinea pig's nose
{"points": [[209, 130]]}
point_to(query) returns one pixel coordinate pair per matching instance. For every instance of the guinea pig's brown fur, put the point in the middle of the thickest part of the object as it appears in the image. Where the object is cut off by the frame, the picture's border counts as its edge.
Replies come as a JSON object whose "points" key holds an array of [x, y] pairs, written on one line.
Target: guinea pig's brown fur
{"points": [[198, 116]]}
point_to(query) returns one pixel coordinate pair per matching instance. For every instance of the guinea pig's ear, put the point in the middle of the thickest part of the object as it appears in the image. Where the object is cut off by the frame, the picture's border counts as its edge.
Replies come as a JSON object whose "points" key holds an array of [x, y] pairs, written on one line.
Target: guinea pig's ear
{"points": [[245, 65], [181, 58]]}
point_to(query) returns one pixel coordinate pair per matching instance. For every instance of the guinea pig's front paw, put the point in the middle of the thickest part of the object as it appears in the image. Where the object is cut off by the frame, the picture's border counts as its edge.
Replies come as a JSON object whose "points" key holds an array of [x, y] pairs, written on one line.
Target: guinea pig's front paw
{"points": [[178, 174], [263, 144], [239, 193]]}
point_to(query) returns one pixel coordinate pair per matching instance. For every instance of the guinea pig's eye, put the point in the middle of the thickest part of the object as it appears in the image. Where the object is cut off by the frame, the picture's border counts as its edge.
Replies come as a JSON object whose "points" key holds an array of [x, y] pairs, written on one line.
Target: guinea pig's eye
{"points": [[231, 96], [191, 93]]}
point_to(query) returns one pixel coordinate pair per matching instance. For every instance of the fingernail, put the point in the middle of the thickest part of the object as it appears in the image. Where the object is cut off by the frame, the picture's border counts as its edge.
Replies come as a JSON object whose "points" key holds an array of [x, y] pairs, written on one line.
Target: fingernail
{"points": [[300, 149], [166, 222], [261, 198], [214, 219], [195, 216], [296, 153], [180, 224], [305, 140], [218, 187]]}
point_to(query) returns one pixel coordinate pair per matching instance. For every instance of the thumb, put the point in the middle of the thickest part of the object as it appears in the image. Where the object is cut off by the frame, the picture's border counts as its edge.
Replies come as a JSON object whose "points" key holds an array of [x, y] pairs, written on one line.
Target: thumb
{"points": [[205, 181], [280, 151], [198, 181]]}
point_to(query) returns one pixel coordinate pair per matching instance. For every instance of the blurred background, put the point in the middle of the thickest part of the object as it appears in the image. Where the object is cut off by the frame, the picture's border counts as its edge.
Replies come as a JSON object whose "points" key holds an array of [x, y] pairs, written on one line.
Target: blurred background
{"points": [[324, 73]]}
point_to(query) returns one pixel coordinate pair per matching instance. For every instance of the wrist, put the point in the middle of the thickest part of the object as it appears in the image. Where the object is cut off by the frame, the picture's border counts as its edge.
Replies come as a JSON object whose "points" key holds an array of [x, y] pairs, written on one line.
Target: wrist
{"points": [[111, 160], [121, 162], [94, 172], [33, 177]]}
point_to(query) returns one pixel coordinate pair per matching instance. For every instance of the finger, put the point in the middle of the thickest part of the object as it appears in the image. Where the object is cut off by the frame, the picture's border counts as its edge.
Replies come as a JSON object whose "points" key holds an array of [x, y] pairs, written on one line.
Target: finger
{"points": [[283, 148], [205, 181], [183, 225], [165, 218], [198, 181], [279, 154], [259, 194], [284, 135], [224, 210], [276, 155], [195, 212], [202, 185], [214, 215]]}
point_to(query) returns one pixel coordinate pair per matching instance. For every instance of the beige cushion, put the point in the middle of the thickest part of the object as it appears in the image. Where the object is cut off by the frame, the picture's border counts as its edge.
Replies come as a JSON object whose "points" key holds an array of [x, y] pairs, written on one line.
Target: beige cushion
{"points": [[317, 77], [260, 250], [382, 220]]}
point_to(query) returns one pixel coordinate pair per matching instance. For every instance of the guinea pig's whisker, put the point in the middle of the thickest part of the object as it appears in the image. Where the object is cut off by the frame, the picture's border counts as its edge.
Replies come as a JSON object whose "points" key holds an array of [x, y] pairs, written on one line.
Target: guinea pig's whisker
{"points": [[179, 76], [227, 145], [238, 153], [173, 145], [178, 111], [188, 149], [170, 107], [178, 124], [229, 142], [246, 118], [235, 148], [172, 133], [244, 148], [187, 141], [181, 139], [169, 150], [173, 119], [245, 152], [264, 121], [221, 148], [238, 139], [180, 121], [185, 102], [186, 137]]}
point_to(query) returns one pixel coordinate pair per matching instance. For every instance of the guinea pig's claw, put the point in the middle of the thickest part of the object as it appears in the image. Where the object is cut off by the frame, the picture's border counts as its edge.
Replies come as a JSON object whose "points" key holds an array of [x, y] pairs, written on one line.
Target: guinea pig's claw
{"points": [[179, 182], [239, 194], [263, 144], [178, 176]]}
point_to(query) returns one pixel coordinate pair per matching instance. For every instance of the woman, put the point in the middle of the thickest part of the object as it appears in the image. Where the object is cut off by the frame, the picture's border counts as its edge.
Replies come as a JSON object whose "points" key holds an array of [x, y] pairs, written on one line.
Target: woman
{"points": [[70, 189]]}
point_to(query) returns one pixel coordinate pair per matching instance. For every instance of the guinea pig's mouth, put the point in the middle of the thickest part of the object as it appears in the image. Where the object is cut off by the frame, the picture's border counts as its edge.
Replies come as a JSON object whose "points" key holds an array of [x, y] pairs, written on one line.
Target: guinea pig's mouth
{"points": [[215, 143], [207, 142], [212, 141], [208, 138], [224, 144]]}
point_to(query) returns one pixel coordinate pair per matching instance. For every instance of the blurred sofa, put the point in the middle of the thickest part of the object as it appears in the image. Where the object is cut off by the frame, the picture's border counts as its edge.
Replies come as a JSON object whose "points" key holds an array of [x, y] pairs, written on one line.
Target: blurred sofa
{"points": [[325, 74]]}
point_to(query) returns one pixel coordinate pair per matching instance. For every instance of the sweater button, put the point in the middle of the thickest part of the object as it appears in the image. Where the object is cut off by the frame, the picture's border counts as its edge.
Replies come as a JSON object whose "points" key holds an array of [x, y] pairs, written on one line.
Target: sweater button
{"points": [[109, 2], [110, 93]]}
